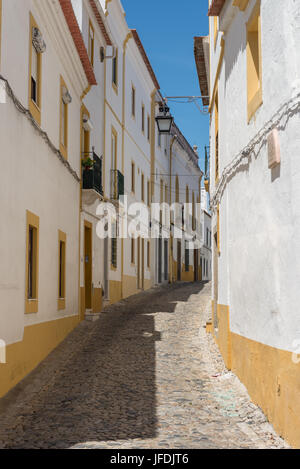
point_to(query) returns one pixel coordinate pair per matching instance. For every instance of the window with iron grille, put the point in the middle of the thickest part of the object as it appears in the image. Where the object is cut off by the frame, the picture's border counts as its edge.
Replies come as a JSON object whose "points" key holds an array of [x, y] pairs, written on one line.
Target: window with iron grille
{"points": [[187, 257], [114, 246], [114, 252]]}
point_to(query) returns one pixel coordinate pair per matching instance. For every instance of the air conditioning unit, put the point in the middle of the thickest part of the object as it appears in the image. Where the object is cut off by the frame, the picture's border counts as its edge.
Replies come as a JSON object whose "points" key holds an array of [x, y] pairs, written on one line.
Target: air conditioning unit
{"points": [[87, 125]]}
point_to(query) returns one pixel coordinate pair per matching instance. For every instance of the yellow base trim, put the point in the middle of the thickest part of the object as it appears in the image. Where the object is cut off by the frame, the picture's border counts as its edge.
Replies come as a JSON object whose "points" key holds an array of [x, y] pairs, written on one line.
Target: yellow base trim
{"points": [[147, 284], [272, 380], [129, 285], [115, 291], [187, 276], [82, 303], [38, 341], [224, 336]]}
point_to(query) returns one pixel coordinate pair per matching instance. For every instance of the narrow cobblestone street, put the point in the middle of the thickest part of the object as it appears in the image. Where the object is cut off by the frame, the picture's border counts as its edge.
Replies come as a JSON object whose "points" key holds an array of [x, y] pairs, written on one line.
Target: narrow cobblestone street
{"points": [[145, 375]]}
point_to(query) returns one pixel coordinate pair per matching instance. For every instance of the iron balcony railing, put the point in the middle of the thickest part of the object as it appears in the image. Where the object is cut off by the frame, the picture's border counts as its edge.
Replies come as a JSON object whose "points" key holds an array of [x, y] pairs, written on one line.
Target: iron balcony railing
{"points": [[92, 177], [116, 184]]}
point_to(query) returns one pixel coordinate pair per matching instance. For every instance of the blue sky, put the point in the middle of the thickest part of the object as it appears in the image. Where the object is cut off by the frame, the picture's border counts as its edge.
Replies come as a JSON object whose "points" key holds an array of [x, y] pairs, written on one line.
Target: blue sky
{"points": [[167, 29]]}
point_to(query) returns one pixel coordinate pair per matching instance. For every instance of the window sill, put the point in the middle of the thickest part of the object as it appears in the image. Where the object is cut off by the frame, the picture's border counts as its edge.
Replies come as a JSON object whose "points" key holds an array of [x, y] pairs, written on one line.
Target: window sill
{"points": [[31, 306], [61, 304]]}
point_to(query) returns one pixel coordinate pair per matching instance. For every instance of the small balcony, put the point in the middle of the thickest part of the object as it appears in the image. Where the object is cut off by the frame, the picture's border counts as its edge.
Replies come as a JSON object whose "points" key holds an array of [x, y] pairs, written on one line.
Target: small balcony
{"points": [[116, 184], [91, 178]]}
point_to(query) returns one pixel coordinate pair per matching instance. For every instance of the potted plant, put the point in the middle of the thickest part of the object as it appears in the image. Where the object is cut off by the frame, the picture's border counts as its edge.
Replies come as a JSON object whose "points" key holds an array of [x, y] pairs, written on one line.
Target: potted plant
{"points": [[87, 163]]}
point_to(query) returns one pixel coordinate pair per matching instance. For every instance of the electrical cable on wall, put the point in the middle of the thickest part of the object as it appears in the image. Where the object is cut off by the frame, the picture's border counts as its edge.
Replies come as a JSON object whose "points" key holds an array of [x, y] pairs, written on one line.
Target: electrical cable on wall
{"points": [[286, 110], [19, 106]]}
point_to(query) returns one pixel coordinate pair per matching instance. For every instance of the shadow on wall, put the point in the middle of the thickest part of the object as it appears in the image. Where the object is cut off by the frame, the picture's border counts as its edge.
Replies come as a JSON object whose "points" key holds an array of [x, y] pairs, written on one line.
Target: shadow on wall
{"points": [[107, 389], [237, 46]]}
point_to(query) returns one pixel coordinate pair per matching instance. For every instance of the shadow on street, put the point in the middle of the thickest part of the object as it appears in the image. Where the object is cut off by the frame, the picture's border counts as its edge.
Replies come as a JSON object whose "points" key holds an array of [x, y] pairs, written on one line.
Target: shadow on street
{"points": [[107, 389]]}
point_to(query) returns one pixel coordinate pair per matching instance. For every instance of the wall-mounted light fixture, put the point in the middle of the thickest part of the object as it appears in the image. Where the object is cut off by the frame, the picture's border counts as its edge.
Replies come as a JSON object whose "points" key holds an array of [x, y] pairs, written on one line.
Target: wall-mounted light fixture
{"points": [[164, 120]]}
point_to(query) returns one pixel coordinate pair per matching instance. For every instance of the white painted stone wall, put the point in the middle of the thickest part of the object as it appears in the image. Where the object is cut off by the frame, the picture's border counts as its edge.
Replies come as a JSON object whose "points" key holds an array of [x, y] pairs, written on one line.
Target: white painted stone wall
{"points": [[259, 268], [32, 177]]}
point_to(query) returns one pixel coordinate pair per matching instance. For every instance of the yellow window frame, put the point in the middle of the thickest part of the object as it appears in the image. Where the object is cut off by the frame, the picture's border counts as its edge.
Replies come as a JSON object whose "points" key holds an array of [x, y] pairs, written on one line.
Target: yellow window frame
{"points": [[62, 241], [133, 100], [115, 64], [91, 44], [133, 177], [132, 240], [35, 108], [254, 62]]}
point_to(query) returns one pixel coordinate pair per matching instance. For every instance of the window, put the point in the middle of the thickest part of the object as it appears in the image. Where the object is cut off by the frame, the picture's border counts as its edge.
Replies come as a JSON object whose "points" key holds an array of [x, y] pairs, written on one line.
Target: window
{"points": [[143, 118], [148, 193], [35, 75], [143, 188], [132, 250], [254, 66], [187, 257], [114, 247], [158, 139], [161, 200], [133, 101], [132, 177], [113, 164], [193, 213], [32, 263], [177, 190], [148, 254], [91, 44], [63, 140], [61, 270], [217, 138], [161, 191], [115, 70], [148, 128]]}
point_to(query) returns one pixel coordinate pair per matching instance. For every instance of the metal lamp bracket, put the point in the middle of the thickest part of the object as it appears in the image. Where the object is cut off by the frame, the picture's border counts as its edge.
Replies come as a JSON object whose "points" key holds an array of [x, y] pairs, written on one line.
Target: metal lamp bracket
{"points": [[103, 56]]}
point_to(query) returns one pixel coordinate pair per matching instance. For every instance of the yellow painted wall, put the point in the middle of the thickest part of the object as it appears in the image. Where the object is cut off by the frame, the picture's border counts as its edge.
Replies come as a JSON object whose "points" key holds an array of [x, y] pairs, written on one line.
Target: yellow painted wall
{"points": [[147, 284], [97, 300], [187, 276], [115, 291], [129, 286], [38, 341], [82, 303], [224, 336], [269, 374], [273, 382]]}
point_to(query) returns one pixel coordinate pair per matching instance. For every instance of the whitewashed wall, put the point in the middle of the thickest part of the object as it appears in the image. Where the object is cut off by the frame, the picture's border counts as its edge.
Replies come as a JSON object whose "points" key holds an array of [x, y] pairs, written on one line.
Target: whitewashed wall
{"points": [[259, 268], [32, 178]]}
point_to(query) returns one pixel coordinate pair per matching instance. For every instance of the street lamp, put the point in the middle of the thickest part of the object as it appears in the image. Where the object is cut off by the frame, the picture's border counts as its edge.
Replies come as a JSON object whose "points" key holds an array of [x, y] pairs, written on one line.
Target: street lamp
{"points": [[164, 120]]}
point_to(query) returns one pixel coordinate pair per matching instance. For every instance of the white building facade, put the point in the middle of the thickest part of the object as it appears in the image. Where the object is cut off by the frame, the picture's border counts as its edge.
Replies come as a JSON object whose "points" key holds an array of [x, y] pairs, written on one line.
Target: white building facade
{"points": [[254, 188], [43, 78]]}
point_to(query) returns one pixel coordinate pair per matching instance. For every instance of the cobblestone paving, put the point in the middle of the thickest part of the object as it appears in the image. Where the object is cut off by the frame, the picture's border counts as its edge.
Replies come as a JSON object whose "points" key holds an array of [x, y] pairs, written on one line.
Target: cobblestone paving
{"points": [[145, 375]]}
